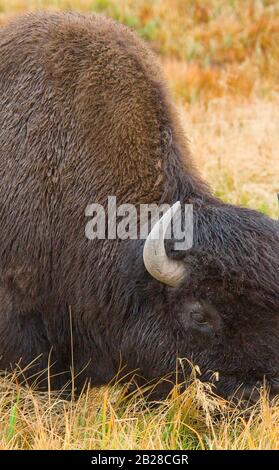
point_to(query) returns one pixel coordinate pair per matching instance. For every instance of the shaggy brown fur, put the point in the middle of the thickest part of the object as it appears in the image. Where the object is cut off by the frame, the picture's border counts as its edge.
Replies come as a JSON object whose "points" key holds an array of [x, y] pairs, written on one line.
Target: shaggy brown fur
{"points": [[85, 114]]}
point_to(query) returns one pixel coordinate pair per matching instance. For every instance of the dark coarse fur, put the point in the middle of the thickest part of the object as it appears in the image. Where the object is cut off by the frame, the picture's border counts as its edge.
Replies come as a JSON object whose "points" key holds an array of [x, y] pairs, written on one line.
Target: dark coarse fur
{"points": [[85, 114]]}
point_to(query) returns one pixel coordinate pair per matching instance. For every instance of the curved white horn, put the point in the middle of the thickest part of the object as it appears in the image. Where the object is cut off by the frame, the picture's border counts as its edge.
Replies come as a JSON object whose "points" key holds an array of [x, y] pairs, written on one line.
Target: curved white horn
{"points": [[156, 261]]}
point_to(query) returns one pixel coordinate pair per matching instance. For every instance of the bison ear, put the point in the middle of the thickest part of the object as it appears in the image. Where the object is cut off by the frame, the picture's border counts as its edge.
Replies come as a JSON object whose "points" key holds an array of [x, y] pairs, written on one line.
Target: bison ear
{"points": [[158, 264]]}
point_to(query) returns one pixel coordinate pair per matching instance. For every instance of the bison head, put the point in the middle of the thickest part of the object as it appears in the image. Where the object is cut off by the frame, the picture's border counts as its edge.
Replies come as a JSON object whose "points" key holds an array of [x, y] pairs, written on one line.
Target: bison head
{"points": [[216, 304]]}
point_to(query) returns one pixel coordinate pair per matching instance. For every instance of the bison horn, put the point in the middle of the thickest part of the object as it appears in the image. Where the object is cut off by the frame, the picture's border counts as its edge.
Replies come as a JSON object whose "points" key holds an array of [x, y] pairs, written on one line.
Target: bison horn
{"points": [[156, 261]]}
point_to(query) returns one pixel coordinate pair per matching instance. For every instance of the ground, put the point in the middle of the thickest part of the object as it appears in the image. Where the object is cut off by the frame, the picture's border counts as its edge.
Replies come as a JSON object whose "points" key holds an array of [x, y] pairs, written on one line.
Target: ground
{"points": [[220, 58]]}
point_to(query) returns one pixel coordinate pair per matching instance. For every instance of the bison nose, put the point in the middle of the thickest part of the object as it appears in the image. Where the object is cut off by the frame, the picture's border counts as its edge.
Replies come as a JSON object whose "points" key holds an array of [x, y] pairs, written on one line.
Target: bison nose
{"points": [[251, 393]]}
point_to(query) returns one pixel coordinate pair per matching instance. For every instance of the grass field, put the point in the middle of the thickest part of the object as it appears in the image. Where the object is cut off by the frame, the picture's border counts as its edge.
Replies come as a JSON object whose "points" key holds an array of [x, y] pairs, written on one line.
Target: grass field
{"points": [[103, 419], [221, 59]]}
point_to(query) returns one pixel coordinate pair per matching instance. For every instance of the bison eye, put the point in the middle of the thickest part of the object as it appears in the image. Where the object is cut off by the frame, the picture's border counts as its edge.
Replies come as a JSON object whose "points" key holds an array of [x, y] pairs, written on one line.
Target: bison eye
{"points": [[198, 317]]}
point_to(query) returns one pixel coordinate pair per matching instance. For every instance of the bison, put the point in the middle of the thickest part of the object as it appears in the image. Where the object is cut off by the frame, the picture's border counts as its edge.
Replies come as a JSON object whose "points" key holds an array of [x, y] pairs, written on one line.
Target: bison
{"points": [[85, 113]]}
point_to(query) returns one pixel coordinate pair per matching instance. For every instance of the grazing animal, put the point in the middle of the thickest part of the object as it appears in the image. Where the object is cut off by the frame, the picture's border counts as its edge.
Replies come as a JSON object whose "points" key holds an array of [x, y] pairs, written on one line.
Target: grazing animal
{"points": [[85, 113]]}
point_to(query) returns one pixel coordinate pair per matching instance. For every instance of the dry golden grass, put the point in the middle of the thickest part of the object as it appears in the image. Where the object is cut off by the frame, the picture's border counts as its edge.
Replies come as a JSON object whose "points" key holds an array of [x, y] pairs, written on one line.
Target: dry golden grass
{"points": [[221, 59], [103, 419], [236, 147]]}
